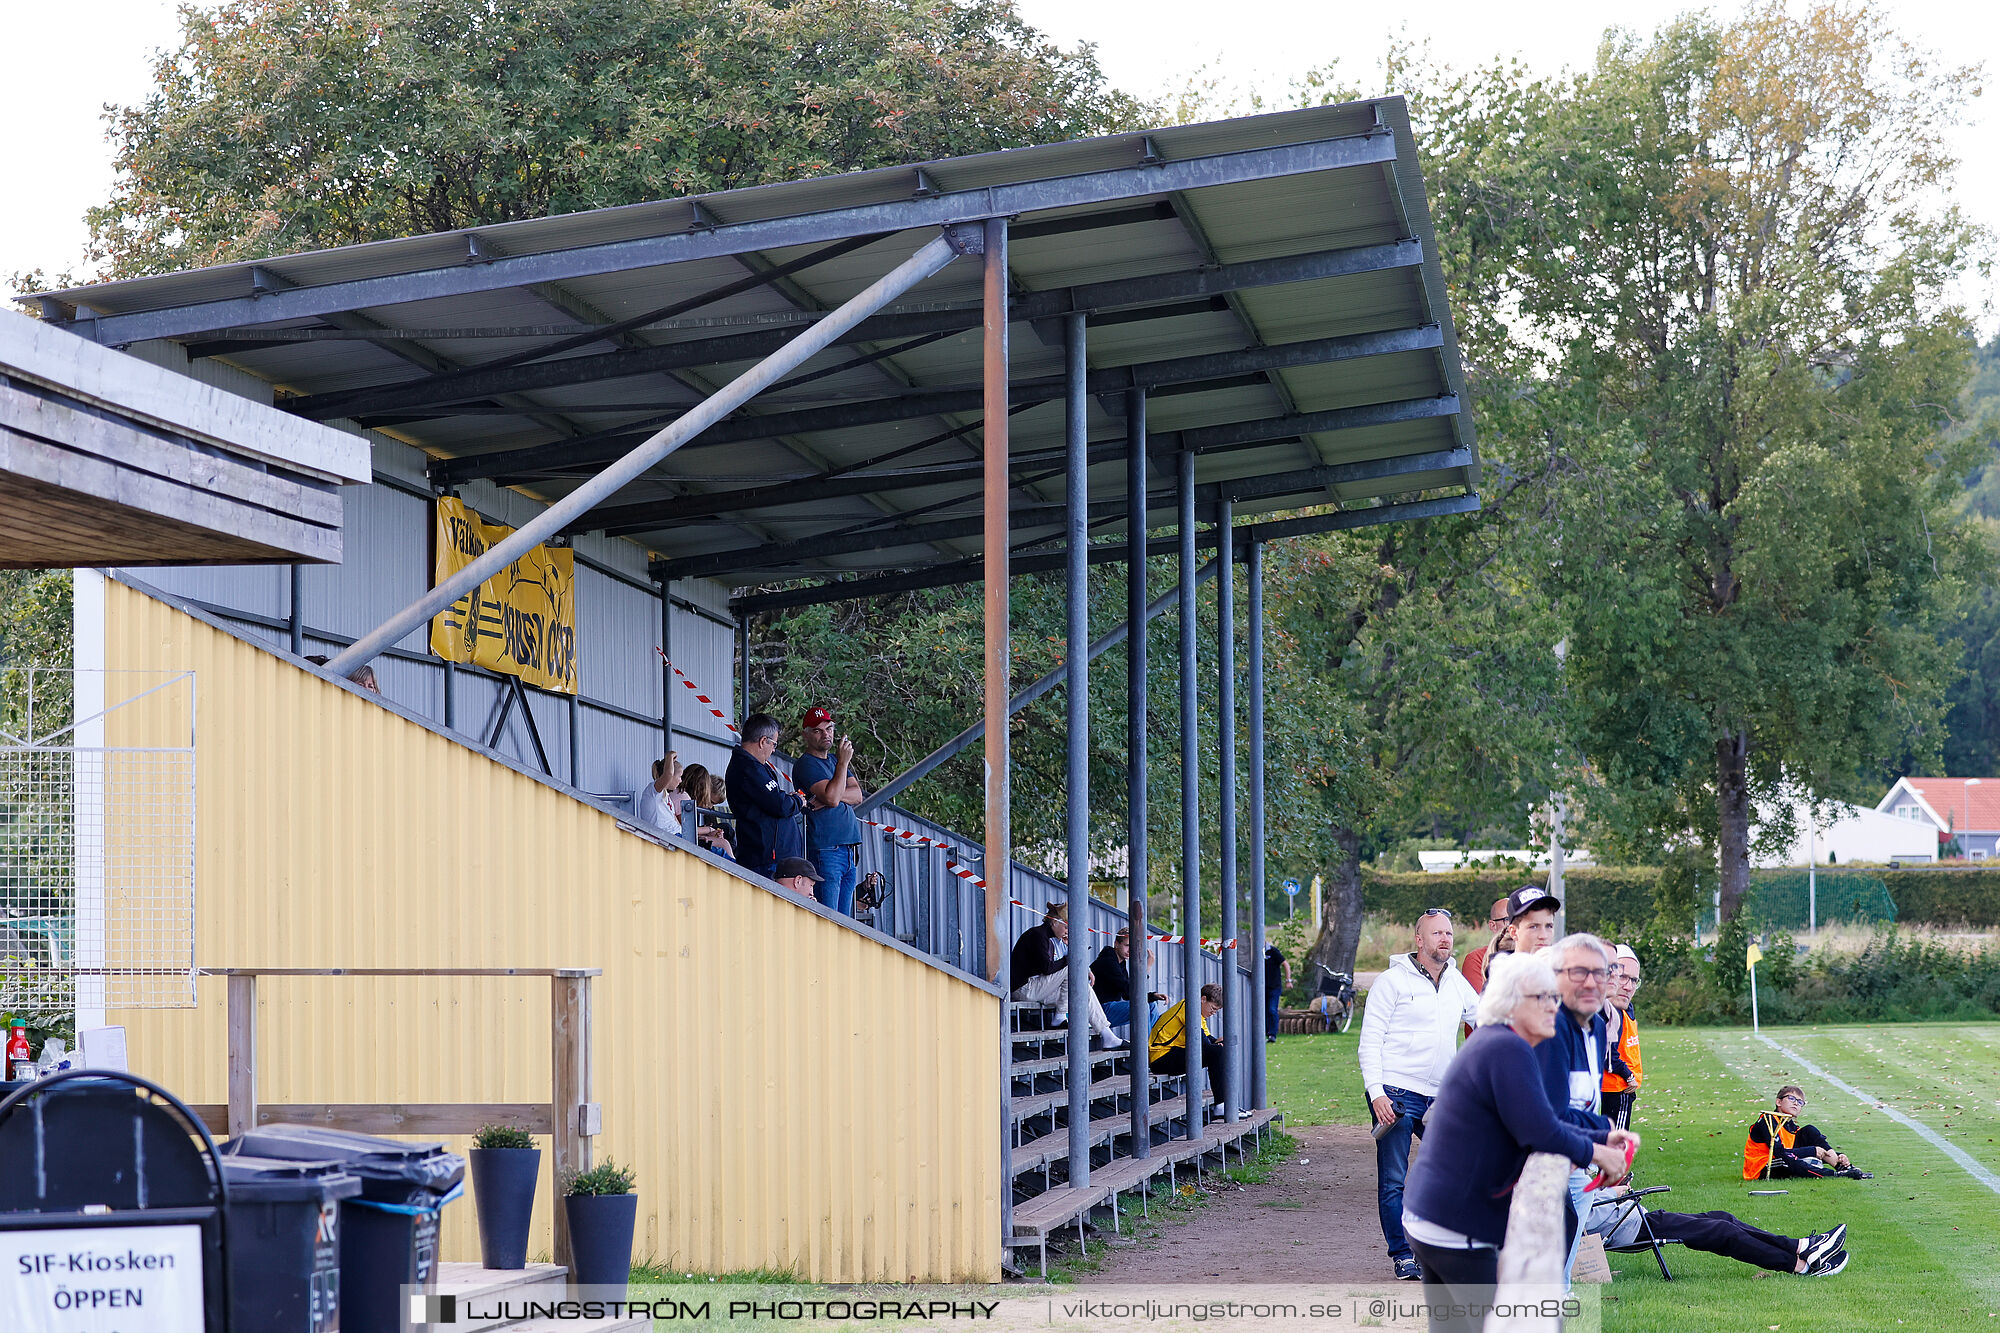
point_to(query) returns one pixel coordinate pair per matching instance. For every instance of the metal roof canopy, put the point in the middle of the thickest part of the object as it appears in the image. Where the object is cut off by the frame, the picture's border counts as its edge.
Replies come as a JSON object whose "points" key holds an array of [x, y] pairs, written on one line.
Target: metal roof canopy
{"points": [[1272, 283]]}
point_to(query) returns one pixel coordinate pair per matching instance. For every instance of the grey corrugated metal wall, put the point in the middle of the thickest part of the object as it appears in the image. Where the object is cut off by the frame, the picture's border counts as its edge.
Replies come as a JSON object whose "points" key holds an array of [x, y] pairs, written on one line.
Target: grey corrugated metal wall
{"points": [[386, 566]]}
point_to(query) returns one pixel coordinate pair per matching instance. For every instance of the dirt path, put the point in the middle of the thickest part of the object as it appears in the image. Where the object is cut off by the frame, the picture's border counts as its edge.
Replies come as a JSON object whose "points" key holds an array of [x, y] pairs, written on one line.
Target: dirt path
{"points": [[1314, 1221]]}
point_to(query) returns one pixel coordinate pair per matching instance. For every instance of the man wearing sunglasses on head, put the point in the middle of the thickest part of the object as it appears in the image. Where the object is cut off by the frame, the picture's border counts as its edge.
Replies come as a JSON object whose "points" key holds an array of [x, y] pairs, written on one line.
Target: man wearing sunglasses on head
{"points": [[1409, 1032]]}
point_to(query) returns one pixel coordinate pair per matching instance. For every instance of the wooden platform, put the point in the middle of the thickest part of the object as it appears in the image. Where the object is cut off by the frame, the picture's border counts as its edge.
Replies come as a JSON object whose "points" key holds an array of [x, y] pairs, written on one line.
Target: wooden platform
{"points": [[476, 1287]]}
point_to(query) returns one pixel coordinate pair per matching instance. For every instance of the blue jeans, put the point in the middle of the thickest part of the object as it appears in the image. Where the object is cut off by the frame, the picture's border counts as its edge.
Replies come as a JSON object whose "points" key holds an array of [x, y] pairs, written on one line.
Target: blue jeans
{"points": [[838, 876], [1392, 1164], [1271, 998], [1579, 1209], [1120, 1011]]}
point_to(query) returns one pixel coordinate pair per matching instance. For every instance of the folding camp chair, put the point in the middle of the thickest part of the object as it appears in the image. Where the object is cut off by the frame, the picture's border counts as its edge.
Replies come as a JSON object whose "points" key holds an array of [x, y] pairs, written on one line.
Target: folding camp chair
{"points": [[1627, 1231]]}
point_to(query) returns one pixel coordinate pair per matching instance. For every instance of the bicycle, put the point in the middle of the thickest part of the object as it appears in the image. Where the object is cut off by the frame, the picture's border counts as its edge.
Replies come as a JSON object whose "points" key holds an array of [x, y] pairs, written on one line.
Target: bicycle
{"points": [[1334, 999]]}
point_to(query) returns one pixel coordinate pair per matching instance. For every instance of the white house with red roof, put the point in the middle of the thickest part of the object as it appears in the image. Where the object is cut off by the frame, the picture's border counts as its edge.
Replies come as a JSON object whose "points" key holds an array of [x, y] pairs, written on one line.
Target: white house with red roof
{"points": [[1967, 809]]}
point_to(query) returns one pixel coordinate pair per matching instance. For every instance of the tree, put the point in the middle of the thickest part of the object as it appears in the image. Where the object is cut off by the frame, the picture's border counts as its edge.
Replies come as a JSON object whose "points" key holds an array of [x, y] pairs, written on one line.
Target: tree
{"points": [[1749, 295], [285, 125], [1972, 719], [1442, 634]]}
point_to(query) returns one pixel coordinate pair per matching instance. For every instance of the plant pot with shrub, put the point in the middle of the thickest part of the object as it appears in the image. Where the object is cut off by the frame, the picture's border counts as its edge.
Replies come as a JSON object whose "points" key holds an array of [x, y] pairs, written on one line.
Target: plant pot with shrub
{"points": [[505, 1163], [602, 1212]]}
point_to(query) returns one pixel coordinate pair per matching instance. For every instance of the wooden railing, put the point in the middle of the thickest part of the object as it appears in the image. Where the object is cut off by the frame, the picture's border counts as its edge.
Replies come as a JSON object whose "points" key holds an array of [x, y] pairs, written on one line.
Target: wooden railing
{"points": [[570, 1118]]}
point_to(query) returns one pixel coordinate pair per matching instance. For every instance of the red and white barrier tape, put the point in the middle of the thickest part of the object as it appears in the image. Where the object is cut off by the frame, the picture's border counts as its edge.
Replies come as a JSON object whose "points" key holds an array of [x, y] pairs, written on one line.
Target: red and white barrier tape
{"points": [[909, 839], [720, 716]]}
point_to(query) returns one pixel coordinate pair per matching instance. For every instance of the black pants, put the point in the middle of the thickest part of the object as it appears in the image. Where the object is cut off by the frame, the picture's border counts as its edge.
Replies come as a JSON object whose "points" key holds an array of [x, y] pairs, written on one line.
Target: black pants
{"points": [[1456, 1277], [1618, 1108], [1175, 1062], [1720, 1233], [1798, 1162]]}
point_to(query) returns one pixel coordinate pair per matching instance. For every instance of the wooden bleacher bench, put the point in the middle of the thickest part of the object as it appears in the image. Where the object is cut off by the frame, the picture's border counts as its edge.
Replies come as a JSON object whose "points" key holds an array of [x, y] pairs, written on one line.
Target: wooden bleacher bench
{"points": [[1042, 1103], [1053, 1063]]}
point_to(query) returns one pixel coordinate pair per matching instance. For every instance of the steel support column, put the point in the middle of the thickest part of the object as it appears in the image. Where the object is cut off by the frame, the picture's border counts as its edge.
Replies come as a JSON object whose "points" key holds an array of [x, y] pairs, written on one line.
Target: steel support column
{"points": [[1138, 613], [1254, 559], [576, 741], [666, 667], [1233, 1029], [298, 625], [594, 492], [999, 834], [1076, 658], [1190, 802], [742, 709], [1027, 694]]}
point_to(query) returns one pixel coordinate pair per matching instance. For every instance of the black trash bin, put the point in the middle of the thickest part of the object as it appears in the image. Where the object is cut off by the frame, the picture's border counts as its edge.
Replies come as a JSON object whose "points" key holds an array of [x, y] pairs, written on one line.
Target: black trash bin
{"points": [[106, 1174], [284, 1243], [389, 1231]]}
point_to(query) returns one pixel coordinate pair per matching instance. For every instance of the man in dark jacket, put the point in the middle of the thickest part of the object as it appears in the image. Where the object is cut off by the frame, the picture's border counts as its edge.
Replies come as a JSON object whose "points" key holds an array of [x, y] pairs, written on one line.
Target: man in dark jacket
{"points": [[762, 799], [1574, 1060], [1111, 978]]}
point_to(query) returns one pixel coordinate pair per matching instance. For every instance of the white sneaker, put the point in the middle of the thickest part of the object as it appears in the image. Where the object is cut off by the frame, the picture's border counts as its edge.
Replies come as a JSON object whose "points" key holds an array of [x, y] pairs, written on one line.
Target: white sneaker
{"points": [[1111, 1042], [1059, 1021]]}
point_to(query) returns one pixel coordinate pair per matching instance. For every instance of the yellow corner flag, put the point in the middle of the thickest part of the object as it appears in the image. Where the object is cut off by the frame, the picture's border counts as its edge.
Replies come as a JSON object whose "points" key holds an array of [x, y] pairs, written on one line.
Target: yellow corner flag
{"points": [[1753, 955]]}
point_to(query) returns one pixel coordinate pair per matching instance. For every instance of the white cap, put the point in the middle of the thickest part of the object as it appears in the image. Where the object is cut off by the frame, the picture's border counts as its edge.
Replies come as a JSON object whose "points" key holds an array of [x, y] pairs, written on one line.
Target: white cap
{"points": [[1625, 951]]}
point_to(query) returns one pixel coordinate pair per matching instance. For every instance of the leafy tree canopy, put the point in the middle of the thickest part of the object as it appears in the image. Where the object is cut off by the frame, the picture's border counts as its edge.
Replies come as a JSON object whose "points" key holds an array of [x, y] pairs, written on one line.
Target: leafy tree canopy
{"points": [[286, 125], [1748, 290]]}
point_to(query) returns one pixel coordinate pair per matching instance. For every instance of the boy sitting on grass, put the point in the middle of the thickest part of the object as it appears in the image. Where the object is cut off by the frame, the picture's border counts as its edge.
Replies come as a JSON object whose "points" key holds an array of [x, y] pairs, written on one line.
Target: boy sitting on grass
{"points": [[1779, 1148]]}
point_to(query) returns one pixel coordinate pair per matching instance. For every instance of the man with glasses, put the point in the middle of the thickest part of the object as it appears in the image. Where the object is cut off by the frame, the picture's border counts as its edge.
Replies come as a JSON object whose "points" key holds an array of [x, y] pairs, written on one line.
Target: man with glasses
{"points": [[1780, 1148], [1474, 963], [1621, 1080], [1574, 1060], [1409, 1032], [763, 800]]}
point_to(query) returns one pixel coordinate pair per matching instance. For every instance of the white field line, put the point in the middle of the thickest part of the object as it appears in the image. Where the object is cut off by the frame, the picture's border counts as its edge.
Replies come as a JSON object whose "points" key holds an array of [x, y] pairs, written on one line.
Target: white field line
{"points": [[1929, 1135]]}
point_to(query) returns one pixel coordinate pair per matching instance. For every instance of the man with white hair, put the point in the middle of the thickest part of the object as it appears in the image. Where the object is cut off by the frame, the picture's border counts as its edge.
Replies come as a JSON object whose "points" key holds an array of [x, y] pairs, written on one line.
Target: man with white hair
{"points": [[1409, 1032], [1574, 1061]]}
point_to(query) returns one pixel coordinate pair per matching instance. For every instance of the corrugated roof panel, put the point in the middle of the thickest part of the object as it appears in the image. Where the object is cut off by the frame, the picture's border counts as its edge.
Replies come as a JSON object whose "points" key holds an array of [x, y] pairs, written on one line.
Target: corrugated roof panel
{"points": [[1148, 233]]}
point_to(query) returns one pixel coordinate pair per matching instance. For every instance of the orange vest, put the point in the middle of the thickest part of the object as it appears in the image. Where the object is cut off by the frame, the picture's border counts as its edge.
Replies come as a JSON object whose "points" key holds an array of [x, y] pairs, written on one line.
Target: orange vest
{"points": [[1628, 1051], [1757, 1156]]}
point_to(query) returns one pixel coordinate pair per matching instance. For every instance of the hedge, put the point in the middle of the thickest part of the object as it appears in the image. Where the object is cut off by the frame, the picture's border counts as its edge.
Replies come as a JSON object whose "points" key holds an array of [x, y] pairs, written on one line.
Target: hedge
{"points": [[1594, 896], [1945, 897], [1601, 896]]}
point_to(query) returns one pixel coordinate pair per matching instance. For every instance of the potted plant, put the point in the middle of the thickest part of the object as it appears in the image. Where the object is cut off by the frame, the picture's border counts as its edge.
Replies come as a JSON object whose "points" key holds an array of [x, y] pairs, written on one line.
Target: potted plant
{"points": [[505, 1163], [602, 1212]]}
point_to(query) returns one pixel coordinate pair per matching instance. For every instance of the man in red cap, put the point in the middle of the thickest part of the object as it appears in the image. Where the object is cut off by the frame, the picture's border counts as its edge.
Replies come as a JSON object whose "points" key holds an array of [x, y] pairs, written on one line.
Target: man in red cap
{"points": [[833, 830]]}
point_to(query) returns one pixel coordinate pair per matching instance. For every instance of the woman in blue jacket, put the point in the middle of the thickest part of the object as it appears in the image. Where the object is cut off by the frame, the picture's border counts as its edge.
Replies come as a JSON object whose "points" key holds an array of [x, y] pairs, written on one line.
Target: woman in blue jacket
{"points": [[1491, 1112]]}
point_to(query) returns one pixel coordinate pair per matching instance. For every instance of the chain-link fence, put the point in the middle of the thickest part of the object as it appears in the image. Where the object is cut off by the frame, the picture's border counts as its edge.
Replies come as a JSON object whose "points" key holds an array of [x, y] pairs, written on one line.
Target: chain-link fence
{"points": [[97, 810]]}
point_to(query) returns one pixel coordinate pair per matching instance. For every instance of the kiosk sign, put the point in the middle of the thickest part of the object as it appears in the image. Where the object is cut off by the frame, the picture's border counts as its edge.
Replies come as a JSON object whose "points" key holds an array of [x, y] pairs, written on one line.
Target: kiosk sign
{"points": [[101, 1280]]}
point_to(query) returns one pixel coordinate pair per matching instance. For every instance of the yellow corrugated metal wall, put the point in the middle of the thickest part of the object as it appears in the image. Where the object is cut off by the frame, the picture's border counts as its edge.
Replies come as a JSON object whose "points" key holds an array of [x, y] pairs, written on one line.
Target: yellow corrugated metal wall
{"points": [[793, 1096]]}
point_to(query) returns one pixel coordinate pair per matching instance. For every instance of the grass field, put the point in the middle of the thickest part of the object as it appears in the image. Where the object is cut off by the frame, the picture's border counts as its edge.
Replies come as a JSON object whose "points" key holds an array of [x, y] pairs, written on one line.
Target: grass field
{"points": [[1924, 1235]]}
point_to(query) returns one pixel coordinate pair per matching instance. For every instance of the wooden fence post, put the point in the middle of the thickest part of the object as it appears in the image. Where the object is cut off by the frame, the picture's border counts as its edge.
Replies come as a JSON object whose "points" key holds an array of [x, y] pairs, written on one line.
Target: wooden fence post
{"points": [[242, 1053], [573, 1115]]}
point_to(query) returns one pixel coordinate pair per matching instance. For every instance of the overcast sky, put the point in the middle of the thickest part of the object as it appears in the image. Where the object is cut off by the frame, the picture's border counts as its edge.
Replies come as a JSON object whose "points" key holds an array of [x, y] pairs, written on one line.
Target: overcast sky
{"points": [[57, 162]]}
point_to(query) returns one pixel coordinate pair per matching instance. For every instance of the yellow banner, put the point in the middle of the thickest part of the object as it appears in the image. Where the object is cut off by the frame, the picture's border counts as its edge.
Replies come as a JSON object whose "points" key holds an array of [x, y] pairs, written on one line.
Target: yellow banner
{"points": [[1753, 955], [525, 624]]}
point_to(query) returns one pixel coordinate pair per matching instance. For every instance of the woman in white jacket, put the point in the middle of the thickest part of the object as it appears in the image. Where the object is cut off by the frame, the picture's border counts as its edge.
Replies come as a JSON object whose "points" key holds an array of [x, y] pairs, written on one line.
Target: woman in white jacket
{"points": [[1409, 1030]]}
